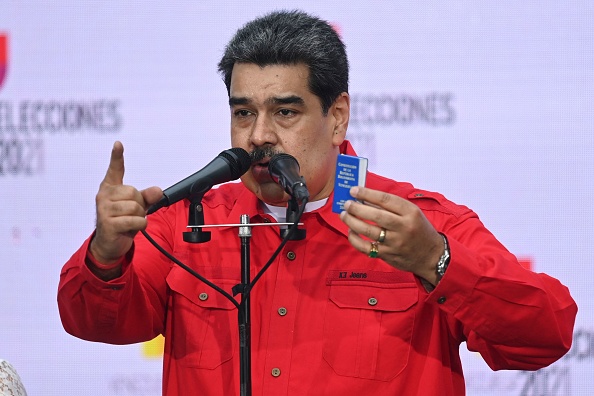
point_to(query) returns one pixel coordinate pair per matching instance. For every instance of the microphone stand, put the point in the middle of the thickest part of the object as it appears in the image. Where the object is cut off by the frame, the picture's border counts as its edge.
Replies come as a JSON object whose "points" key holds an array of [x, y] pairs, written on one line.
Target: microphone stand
{"points": [[197, 235], [243, 312]]}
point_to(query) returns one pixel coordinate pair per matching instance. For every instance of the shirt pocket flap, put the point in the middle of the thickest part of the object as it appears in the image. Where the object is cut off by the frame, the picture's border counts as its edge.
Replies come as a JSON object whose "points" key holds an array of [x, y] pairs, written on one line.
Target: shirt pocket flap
{"points": [[390, 299], [198, 292]]}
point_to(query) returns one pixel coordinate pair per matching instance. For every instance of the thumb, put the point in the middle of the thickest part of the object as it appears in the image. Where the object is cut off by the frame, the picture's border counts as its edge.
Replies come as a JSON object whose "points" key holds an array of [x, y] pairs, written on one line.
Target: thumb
{"points": [[151, 195], [115, 171]]}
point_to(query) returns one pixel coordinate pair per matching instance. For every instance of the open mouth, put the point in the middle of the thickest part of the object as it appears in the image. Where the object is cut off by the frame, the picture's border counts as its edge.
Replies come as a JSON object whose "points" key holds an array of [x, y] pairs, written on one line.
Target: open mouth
{"points": [[260, 170], [260, 160]]}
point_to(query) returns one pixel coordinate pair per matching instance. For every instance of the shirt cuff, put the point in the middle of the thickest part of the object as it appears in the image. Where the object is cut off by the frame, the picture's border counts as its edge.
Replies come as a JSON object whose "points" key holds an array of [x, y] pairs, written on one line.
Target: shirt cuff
{"points": [[107, 272], [104, 267]]}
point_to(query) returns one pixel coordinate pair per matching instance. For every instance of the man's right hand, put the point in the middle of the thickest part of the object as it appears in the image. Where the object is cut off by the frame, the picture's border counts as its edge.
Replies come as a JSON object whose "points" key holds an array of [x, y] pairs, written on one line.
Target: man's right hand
{"points": [[121, 211]]}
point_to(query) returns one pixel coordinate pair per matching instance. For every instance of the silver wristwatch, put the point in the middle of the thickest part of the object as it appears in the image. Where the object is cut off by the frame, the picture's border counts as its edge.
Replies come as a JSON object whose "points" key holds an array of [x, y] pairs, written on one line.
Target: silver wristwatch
{"points": [[444, 260]]}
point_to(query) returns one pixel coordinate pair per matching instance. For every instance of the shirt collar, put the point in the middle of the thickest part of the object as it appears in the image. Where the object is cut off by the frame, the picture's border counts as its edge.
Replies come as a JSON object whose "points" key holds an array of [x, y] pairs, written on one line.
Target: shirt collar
{"points": [[246, 203]]}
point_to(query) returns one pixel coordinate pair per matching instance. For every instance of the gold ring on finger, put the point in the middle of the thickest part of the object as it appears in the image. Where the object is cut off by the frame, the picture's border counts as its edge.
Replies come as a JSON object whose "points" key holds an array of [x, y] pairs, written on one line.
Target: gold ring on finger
{"points": [[382, 236], [373, 251]]}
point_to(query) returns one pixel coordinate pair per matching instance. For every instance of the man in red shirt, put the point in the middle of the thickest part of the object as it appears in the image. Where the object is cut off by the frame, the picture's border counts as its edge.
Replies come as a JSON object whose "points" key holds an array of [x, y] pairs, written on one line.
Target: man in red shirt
{"points": [[375, 300]]}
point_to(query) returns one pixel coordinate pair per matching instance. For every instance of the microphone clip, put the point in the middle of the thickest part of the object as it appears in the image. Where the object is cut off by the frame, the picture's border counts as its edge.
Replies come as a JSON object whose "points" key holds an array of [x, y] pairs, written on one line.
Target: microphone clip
{"points": [[195, 219], [292, 217]]}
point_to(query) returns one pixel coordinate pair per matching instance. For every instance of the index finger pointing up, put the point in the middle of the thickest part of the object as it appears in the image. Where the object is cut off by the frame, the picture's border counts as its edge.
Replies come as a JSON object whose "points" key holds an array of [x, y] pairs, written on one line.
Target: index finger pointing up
{"points": [[115, 171]]}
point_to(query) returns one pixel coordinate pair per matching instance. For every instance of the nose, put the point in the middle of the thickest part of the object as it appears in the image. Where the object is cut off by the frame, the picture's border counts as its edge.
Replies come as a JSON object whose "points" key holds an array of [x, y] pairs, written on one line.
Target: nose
{"points": [[263, 132]]}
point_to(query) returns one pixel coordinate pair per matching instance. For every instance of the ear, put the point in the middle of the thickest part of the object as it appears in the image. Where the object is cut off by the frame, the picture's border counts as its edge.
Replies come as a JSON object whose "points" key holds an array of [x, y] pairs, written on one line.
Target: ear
{"points": [[340, 111]]}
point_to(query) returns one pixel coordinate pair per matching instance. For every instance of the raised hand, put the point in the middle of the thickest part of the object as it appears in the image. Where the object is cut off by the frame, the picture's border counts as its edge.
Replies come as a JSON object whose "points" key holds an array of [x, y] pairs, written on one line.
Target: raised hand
{"points": [[121, 211]]}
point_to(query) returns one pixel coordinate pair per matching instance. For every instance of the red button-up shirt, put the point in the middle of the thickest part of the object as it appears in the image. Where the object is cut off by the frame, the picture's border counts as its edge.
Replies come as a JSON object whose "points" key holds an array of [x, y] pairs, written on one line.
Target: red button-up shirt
{"points": [[326, 319]]}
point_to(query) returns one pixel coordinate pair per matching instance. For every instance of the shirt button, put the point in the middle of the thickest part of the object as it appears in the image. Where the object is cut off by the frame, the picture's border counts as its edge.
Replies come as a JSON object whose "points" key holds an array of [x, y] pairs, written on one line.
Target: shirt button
{"points": [[372, 301], [203, 296], [275, 372], [265, 220], [441, 300], [282, 311], [418, 195], [291, 256]]}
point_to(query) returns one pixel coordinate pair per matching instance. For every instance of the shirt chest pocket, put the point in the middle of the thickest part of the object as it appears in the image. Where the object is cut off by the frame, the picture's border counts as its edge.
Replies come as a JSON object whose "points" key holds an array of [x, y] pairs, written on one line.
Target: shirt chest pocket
{"points": [[368, 330], [202, 321]]}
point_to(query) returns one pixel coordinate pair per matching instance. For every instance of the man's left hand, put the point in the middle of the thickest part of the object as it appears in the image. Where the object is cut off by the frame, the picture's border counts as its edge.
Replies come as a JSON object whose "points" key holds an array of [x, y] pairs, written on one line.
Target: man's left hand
{"points": [[410, 243]]}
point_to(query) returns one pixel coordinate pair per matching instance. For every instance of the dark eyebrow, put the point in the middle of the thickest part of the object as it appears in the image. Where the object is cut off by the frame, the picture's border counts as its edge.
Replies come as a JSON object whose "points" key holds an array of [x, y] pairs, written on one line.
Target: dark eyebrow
{"points": [[233, 101], [292, 99]]}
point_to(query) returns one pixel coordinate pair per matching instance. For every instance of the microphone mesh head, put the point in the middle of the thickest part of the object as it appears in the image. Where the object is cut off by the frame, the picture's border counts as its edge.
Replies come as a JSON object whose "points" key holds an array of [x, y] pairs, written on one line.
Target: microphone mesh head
{"points": [[272, 165], [239, 161]]}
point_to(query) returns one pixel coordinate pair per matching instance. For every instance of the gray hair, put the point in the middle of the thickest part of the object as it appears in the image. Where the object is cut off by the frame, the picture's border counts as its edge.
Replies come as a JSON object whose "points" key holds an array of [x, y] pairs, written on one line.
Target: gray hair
{"points": [[291, 38]]}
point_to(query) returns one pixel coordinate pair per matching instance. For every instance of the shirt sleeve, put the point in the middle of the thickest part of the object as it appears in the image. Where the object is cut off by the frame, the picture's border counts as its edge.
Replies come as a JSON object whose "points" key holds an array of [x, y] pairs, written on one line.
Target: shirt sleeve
{"points": [[515, 318], [96, 310]]}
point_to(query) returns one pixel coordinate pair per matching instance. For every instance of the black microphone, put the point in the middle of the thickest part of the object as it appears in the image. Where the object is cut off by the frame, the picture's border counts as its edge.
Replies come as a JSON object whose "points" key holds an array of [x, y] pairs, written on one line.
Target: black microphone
{"points": [[284, 170], [227, 166]]}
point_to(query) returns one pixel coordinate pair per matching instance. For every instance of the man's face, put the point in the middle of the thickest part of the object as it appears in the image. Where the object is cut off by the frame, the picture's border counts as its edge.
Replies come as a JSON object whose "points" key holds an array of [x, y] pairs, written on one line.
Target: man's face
{"points": [[272, 108]]}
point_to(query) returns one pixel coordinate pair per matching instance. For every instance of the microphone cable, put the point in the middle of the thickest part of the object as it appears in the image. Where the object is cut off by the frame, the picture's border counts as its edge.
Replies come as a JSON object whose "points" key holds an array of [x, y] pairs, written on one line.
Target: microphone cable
{"points": [[251, 285]]}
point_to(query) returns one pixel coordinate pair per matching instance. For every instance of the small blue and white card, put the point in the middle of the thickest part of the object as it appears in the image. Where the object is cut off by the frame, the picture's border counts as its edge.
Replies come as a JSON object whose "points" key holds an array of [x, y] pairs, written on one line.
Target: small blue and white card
{"points": [[351, 171]]}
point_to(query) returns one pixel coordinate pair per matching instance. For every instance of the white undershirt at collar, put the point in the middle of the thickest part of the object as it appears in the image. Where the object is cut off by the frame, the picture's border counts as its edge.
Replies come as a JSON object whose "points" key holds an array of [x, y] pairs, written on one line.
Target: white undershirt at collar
{"points": [[280, 212]]}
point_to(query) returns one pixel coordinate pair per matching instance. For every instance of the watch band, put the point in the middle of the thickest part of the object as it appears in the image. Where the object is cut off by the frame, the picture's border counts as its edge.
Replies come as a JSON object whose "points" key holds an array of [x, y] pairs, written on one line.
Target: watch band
{"points": [[444, 260]]}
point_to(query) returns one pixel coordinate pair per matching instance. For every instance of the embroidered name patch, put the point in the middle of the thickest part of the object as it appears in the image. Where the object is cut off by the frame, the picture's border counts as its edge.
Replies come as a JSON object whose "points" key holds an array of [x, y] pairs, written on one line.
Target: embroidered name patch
{"points": [[369, 276]]}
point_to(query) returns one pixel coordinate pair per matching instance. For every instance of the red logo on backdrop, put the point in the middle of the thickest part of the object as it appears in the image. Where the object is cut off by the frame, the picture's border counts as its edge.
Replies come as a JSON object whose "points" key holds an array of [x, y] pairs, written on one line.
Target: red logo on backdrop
{"points": [[3, 57]]}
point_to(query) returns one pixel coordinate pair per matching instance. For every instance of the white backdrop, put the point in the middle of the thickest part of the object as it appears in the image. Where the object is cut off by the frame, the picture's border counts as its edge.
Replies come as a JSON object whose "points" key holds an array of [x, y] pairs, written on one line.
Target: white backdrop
{"points": [[489, 103]]}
